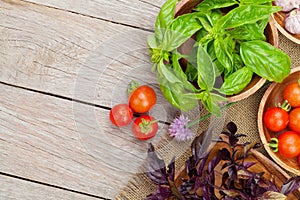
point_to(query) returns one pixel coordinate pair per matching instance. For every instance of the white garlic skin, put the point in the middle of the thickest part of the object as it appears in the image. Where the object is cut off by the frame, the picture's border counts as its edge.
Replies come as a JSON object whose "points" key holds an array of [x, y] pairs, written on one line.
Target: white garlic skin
{"points": [[292, 22], [288, 5]]}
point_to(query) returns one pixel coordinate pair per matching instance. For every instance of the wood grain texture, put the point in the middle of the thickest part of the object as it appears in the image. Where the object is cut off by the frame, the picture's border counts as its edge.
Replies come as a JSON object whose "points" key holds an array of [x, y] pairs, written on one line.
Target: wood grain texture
{"points": [[72, 55], [12, 189], [136, 13], [67, 144]]}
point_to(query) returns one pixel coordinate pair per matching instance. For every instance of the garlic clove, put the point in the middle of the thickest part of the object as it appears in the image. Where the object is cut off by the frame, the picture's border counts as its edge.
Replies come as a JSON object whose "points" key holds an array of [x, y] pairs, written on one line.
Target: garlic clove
{"points": [[288, 5], [292, 21]]}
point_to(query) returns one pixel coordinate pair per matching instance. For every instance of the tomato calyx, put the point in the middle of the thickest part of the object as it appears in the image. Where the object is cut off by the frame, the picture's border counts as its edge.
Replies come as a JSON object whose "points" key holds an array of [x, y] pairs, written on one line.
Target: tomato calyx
{"points": [[274, 144], [145, 126], [284, 106], [132, 86]]}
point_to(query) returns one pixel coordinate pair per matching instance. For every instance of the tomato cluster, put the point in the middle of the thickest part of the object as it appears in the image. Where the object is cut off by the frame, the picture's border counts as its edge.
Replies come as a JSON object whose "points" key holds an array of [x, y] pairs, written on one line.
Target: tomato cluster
{"points": [[141, 100], [286, 120]]}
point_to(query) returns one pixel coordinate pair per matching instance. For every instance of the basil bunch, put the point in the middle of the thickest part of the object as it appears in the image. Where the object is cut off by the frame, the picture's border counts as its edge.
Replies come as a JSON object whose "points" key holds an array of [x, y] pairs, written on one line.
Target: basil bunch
{"points": [[228, 50]]}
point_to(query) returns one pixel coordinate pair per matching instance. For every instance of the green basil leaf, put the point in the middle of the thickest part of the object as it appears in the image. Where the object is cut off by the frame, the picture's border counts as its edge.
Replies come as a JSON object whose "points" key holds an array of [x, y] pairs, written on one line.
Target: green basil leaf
{"points": [[265, 60], [220, 68], [237, 62], [180, 30], [207, 5], [179, 72], [204, 21], [255, 1], [245, 14], [224, 50], [215, 15], [206, 70], [201, 34], [191, 72], [164, 18], [211, 101], [236, 81], [248, 32], [175, 94], [167, 73]]}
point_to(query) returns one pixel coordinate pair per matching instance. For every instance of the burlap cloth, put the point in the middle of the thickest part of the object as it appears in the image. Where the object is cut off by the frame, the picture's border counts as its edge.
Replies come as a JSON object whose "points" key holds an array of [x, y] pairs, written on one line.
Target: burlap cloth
{"points": [[243, 113]]}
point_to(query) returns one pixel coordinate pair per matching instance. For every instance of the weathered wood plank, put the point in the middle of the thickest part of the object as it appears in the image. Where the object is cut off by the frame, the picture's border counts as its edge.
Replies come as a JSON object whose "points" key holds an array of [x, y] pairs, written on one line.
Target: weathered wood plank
{"points": [[12, 188], [72, 55], [65, 143], [136, 13]]}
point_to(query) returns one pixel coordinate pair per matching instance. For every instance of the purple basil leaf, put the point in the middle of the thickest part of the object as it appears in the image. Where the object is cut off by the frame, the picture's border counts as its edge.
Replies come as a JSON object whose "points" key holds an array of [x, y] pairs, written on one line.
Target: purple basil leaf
{"points": [[232, 127], [196, 146], [290, 185], [202, 164], [213, 163], [233, 140], [156, 168], [246, 165], [191, 166], [232, 172], [171, 169], [186, 187], [227, 164], [160, 193], [224, 154]]}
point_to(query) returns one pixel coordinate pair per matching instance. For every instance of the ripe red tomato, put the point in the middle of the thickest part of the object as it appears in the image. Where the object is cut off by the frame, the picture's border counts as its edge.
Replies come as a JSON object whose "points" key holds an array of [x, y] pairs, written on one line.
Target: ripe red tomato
{"points": [[276, 119], [144, 127], [292, 94], [142, 99], [289, 144], [294, 123], [121, 115]]}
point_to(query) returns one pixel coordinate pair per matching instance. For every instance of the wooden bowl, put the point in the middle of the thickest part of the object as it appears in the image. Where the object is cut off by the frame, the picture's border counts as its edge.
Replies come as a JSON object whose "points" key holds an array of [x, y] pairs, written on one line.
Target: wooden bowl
{"points": [[272, 96], [186, 6], [263, 164], [279, 23]]}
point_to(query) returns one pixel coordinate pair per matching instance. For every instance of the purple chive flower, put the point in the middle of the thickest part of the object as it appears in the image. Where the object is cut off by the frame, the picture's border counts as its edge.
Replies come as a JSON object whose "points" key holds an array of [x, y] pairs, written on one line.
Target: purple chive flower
{"points": [[179, 130]]}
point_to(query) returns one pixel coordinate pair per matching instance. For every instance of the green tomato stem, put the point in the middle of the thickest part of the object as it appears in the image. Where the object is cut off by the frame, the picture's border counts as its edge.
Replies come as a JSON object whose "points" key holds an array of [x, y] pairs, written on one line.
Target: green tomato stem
{"points": [[274, 144], [285, 106], [132, 86], [146, 125]]}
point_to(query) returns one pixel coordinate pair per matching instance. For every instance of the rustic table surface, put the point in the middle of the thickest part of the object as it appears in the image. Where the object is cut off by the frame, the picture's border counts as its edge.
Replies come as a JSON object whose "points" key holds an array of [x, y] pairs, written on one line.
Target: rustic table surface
{"points": [[63, 65]]}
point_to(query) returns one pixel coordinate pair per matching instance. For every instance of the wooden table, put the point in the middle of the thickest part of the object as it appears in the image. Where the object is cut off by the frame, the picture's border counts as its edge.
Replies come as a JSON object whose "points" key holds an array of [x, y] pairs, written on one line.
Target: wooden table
{"points": [[63, 65]]}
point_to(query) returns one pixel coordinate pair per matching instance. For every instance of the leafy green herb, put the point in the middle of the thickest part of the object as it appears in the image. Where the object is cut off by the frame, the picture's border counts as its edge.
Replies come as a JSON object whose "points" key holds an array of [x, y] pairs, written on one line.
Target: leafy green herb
{"points": [[227, 45], [265, 60]]}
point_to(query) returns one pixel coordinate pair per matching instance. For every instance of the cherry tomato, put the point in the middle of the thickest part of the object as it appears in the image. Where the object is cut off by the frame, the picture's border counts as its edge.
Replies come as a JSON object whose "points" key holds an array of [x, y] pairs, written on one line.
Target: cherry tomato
{"points": [[144, 127], [142, 99], [292, 94], [289, 144], [276, 119], [121, 115], [294, 123]]}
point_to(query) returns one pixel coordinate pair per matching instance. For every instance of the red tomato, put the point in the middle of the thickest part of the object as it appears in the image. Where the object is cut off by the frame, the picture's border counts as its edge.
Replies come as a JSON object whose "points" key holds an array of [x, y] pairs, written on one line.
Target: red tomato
{"points": [[289, 144], [299, 159], [276, 119], [294, 123], [121, 115], [292, 94], [144, 127], [142, 99]]}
